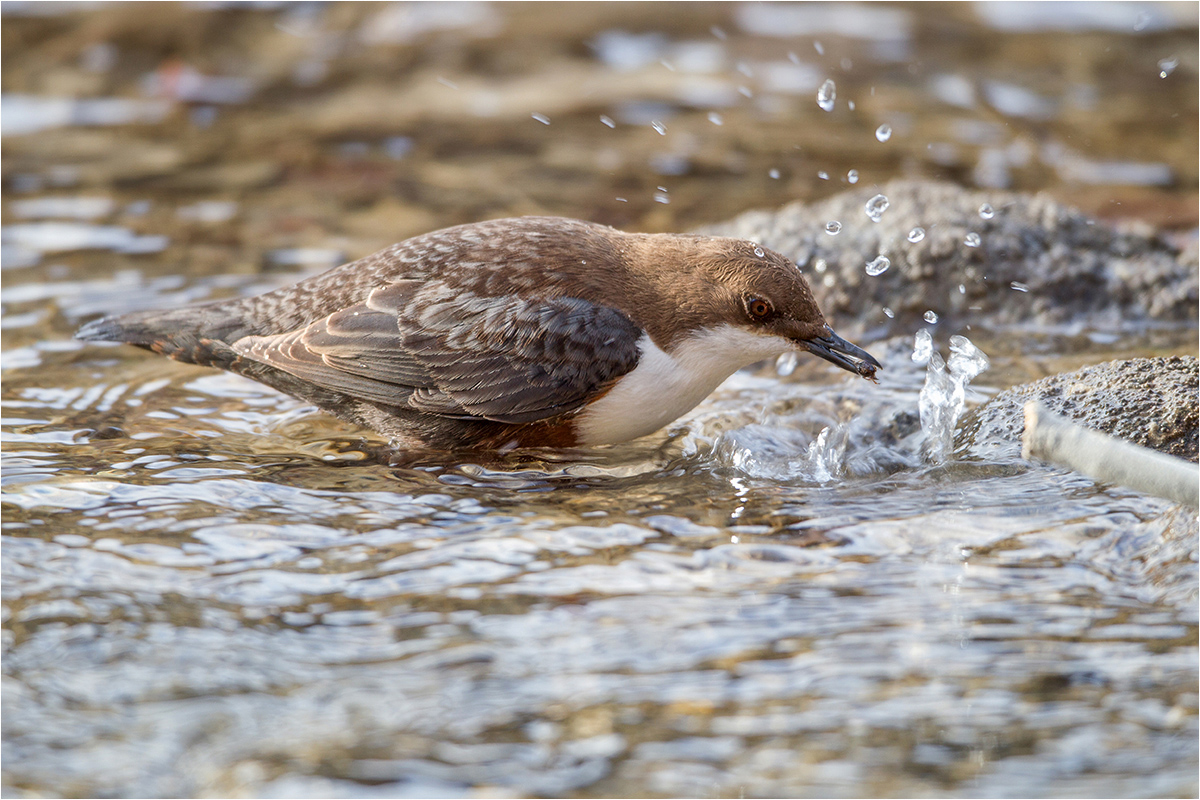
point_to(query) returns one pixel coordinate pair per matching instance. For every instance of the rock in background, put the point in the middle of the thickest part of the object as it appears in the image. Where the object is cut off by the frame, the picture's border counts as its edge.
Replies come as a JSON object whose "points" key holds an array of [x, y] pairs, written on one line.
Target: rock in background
{"points": [[1037, 263]]}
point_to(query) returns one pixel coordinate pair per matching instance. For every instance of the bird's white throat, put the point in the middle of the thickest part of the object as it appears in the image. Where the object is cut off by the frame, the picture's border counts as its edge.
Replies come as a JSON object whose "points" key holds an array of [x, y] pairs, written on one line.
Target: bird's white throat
{"points": [[664, 386]]}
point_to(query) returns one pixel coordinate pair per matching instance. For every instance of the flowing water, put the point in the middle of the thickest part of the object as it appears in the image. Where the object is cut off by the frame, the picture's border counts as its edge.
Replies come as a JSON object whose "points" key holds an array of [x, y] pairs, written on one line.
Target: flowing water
{"points": [[800, 588]]}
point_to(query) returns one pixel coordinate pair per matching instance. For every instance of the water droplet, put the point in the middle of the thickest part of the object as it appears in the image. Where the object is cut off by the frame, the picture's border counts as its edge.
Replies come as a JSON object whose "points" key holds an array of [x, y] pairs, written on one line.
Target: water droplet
{"points": [[774, 173], [820, 48], [986, 211], [971, 239], [823, 175], [916, 235], [715, 118], [883, 132], [850, 104], [607, 120], [758, 251], [852, 176], [1167, 66], [1018, 286], [922, 346], [931, 317], [827, 95], [820, 266], [833, 228], [876, 206], [661, 197], [786, 364], [621, 200], [962, 289], [542, 118], [658, 126], [887, 312], [878, 266]]}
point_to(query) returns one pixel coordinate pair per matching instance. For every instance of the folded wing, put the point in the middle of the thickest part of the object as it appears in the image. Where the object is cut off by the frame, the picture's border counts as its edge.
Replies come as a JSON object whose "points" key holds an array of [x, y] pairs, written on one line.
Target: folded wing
{"points": [[451, 353]]}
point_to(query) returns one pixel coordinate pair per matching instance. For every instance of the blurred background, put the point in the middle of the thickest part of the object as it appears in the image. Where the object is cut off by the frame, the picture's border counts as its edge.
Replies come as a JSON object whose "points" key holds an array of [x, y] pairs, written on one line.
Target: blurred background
{"points": [[239, 130]]}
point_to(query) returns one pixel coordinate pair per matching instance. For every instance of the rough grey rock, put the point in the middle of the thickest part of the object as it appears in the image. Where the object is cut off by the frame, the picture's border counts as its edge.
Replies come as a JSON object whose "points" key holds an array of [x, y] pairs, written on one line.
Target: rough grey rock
{"points": [[1078, 273], [1152, 402]]}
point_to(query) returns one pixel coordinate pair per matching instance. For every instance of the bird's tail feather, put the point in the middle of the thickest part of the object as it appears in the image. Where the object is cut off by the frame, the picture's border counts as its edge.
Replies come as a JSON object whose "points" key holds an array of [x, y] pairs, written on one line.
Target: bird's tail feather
{"points": [[196, 335]]}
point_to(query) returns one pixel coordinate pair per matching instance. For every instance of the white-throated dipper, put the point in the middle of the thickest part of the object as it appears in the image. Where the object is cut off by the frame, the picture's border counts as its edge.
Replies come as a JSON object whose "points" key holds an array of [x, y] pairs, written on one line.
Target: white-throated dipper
{"points": [[534, 331]]}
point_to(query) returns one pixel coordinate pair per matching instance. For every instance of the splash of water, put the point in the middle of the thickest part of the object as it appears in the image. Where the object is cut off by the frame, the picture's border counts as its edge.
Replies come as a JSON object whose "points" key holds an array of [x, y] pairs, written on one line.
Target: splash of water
{"points": [[943, 398], [779, 453]]}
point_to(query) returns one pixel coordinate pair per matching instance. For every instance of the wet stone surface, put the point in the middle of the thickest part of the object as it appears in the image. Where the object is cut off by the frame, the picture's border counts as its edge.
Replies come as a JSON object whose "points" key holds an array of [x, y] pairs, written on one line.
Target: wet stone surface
{"points": [[1150, 402]]}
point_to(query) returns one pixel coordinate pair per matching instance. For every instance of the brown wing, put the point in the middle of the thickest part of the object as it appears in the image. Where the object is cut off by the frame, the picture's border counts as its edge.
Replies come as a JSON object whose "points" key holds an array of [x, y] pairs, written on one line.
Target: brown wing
{"points": [[450, 353]]}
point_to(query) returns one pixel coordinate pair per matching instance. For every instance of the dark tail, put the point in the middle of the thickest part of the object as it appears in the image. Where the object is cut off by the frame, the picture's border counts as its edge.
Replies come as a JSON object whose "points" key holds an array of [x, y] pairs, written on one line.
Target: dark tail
{"points": [[196, 335]]}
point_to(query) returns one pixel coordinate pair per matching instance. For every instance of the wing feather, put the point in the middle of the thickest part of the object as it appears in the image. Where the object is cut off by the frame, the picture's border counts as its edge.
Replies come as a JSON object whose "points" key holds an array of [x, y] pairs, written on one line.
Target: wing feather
{"points": [[454, 354]]}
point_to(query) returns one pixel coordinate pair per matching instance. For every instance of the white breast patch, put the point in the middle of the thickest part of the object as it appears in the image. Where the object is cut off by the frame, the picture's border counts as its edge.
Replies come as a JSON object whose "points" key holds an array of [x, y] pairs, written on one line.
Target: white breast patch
{"points": [[664, 386]]}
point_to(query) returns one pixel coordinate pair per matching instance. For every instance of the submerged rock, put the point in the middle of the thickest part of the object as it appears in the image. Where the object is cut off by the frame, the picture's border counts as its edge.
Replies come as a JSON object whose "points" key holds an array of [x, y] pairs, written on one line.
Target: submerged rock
{"points": [[985, 258], [1148, 401]]}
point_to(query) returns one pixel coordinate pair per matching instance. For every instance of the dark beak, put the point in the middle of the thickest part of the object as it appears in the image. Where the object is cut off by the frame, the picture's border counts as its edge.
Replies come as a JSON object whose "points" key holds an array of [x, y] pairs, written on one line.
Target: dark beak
{"points": [[837, 350]]}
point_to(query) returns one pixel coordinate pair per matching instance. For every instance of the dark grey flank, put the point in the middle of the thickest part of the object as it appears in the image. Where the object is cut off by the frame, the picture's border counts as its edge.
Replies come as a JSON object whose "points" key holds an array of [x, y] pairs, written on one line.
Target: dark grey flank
{"points": [[487, 335]]}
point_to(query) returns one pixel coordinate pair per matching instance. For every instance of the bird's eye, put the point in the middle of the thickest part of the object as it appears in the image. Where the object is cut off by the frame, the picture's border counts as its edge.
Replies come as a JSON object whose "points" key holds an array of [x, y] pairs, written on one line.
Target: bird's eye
{"points": [[758, 308]]}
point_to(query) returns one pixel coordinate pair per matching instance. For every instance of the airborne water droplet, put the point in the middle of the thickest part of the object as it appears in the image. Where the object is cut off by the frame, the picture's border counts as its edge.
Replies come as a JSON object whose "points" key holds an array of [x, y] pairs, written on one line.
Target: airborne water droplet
{"points": [[774, 173], [876, 206], [823, 175], [1167, 66], [931, 317], [1018, 286], [758, 251], [607, 120], [922, 347], [827, 95], [660, 127], [715, 118], [883, 132], [887, 312], [986, 211], [542, 118], [833, 228], [916, 235], [852, 176], [878, 266], [971, 239]]}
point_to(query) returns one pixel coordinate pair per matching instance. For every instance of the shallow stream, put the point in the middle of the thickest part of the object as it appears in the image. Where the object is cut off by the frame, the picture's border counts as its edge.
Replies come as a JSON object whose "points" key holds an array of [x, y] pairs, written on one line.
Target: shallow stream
{"points": [[211, 589]]}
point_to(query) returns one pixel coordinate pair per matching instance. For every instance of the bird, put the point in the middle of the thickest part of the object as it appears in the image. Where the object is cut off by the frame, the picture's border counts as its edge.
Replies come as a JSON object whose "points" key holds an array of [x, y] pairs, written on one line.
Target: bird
{"points": [[510, 333]]}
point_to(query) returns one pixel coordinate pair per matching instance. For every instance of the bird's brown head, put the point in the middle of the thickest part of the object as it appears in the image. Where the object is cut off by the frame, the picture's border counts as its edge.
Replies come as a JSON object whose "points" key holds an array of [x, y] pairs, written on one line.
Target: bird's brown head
{"points": [[710, 281]]}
